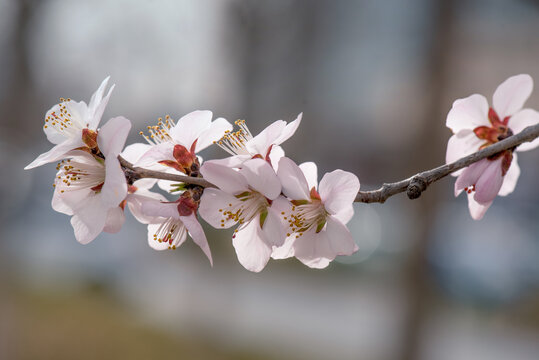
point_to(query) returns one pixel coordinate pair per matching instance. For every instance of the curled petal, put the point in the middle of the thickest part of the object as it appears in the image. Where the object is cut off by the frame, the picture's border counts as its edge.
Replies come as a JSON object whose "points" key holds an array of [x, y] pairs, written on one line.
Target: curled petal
{"points": [[311, 174], [511, 95]]}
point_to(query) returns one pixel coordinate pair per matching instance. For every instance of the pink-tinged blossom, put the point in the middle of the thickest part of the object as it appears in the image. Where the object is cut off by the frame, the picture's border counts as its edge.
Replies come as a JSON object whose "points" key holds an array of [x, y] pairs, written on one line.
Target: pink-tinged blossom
{"points": [[174, 220], [70, 125], [475, 126], [316, 216], [247, 197], [175, 144], [242, 145], [91, 189]]}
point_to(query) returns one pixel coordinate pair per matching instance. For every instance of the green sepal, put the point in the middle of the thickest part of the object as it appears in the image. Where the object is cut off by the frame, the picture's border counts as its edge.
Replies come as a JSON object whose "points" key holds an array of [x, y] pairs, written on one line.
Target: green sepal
{"points": [[320, 226], [263, 217]]}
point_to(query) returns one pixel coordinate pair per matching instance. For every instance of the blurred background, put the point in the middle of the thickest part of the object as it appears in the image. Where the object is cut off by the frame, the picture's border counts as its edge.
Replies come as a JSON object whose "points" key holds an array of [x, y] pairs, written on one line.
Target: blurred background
{"points": [[374, 79]]}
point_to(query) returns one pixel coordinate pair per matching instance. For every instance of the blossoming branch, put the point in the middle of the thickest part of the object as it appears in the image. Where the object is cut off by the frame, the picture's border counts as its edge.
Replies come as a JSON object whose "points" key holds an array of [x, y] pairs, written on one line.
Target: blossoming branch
{"points": [[279, 208]]}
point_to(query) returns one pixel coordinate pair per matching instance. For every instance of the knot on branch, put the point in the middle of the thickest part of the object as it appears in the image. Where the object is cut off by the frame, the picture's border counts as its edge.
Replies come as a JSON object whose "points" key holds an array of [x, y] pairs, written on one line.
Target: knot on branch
{"points": [[416, 187]]}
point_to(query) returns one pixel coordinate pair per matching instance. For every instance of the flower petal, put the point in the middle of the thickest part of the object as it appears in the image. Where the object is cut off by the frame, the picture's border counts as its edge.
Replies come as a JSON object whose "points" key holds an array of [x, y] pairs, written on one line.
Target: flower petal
{"points": [[189, 127], [338, 189], [252, 251], [137, 201], [292, 180], [511, 95], [68, 201], [289, 130], [212, 205], [273, 228], [58, 152], [345, 214], [213, 133], [275, 156], [460, 145], [233, 161], [134, 152], [225, 178], [339, 237], [520, 121], [89, 220], [111, 137], [197, 234], [267, 137], [97, 104], [115, 220], [156, 153], [489, 183], [468, 113], [477, 211], [311, 174], [313, 249], [470, 175], [261, 177], [114, 188], [511, 177]]}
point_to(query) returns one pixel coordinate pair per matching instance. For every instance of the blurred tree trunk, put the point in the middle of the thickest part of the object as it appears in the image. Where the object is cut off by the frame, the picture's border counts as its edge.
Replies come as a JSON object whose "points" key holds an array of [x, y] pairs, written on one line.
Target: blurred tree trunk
{"points": [[15, 105], [419, 290]]}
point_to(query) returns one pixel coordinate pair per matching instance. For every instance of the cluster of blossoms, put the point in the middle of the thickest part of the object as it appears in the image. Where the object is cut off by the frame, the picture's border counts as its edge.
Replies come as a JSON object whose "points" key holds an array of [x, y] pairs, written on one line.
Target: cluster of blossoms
{"points": [[278, 207]]}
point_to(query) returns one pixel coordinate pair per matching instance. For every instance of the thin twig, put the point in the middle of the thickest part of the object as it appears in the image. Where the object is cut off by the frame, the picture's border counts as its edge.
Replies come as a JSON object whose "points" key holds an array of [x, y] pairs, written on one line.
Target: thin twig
{"points": [[418, 183], [414, 185]]}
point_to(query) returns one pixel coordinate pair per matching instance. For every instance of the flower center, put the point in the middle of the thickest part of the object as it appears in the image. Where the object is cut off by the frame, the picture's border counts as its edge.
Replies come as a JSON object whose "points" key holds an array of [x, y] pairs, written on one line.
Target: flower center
{"points": [[77, 175], [234, 142], [62, 121], [159, 133], [250, 204], [304, 216], [171, 231], [494, 133]]}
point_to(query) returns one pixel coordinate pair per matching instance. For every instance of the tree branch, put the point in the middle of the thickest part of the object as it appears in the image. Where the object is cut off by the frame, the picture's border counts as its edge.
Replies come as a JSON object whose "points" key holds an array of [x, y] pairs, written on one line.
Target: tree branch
{"points": [[418, 183], [413, 186]]}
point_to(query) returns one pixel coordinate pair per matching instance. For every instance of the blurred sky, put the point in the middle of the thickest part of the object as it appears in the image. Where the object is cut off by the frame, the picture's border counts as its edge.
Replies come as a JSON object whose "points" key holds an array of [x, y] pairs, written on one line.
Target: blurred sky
{"points": [[374, 79]]}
